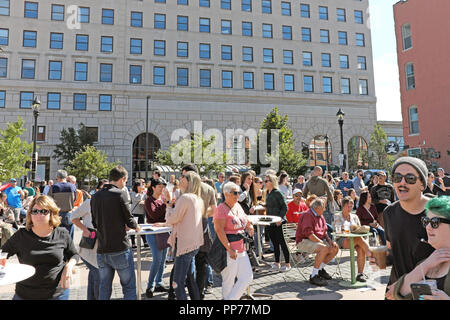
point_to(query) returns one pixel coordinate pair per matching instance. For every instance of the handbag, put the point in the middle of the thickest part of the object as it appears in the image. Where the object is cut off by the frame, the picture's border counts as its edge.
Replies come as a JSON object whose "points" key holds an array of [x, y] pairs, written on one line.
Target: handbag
{"points": [[89, 242], [217, 256], [161, 240]]}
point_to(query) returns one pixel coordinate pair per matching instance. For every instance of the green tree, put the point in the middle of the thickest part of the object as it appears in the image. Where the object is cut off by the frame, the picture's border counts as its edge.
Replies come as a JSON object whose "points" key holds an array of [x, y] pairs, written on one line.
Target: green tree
{"points": [[14, 152], [290, 160], [71, 142], [378, 158], [90, 164], [358, 157]]}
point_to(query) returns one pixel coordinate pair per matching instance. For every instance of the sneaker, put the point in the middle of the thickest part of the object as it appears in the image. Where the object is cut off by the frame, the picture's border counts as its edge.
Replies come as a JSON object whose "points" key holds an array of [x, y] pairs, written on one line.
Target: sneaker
{"points": [[275, 266], [361, 277], [317, 280], [161, 289], [149, 293], [285, 268], [323, 274]]}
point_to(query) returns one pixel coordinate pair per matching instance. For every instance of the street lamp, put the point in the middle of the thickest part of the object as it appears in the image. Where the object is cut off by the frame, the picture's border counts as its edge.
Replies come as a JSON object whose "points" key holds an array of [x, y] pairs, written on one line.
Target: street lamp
{"points": [[326, 149], [35, 105], [340, 115], [146, 142]]}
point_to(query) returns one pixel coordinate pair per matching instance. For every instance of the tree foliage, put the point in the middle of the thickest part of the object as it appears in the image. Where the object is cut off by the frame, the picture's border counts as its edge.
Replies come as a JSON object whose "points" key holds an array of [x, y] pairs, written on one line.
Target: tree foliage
{"points": [[378, 158], [14, 152]]}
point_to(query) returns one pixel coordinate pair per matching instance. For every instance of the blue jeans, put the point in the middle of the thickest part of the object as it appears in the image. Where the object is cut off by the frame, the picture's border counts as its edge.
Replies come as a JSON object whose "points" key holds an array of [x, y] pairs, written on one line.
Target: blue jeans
{"points": [[123, 263], [185, 268], [380, 232], [62, 296], [66, 222], [158, 264], [93, 287]]}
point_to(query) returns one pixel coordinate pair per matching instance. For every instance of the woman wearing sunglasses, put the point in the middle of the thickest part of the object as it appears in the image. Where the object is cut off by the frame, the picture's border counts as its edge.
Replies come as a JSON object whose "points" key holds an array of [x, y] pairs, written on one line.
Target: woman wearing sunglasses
{"points": [[48, 248], [437, 265]]}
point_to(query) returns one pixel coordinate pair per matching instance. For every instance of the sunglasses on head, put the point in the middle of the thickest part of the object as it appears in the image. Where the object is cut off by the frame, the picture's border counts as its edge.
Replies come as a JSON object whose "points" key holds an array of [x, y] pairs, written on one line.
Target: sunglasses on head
{"points": [[409, 178], [435, 221], [41, 211]]}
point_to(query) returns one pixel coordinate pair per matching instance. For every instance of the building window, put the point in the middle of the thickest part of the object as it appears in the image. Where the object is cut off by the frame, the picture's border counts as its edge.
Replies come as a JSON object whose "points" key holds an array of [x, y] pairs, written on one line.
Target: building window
{"points": [[82, 42], [29, 39], [327, 85], [106, 44], [3, 67], [183, 2], [81, 70], [135, 74], [106, 72], [227, 79], [4, 7], [268, 55], [57, 12], [26, 99], [323, 13], [288, 57], [363, 87], [266, 6], [136, 19], [160, 1], [269, 83], [108, 16], [226, 52], [343, 61], [247, 54], [287, 32], [307, 58], [182, 49], [56, 40], [226, 27], [413, 120], [205, 25], [205, 51], [2, 98], [54, 70], [31, 10], [182, 77], [342, 35], [225, 4], [359, 17], [79, 101], [345, 86], [306, 34], [205, 78], [160, 21], [288, 82], [267, 30], [159, 47], [285, 8], [28, 69], [83, 14], [248, 80], [326, 60], [54, 101], [304, 10], [246, 5], [360, 42], [324, 36], [362, 65], [410, 79], [308, 83], [4, 37], [204, 3], [104, 102], [341, 17], [182, 23], [159, 75], [135, 46], [406, 36], [247, 29]]}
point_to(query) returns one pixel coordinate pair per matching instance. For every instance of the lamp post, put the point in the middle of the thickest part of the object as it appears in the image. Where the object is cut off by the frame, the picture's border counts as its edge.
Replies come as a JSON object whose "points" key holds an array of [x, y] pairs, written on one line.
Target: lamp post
{"points": [[36, 104], [326, 149], [146, 142], [340, 115]]}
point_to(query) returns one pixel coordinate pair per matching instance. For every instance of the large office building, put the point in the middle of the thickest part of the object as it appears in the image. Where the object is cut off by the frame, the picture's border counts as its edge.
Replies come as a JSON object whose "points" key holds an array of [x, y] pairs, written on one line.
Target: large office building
{"points": [[422, 51], [226, 63]]}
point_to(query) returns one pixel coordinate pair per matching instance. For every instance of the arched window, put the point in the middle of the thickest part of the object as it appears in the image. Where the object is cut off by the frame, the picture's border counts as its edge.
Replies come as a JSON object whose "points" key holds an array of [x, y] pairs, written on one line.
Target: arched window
{"points": [[139, 153]]}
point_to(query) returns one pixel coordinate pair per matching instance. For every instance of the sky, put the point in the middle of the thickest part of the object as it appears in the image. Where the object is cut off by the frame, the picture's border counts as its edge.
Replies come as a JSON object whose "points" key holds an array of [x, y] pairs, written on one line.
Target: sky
{"points": [[387, 87]]}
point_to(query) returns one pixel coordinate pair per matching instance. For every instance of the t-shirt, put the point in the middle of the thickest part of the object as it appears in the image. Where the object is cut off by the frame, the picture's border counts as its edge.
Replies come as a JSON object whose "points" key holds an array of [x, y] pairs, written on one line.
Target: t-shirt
{"points": [[299, 186], [31, 192], [292, 207], [382, 192], [404, 231], [354, 220], [345, 184], [13, 197], [446, 181], [236, 220], [48, 255], [155, 210], [367, 216], [309, 224]]}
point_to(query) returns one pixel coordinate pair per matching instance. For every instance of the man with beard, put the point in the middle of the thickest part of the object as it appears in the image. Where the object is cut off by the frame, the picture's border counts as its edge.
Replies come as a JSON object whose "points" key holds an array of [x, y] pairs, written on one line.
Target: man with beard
{"points": [[382, 194]]}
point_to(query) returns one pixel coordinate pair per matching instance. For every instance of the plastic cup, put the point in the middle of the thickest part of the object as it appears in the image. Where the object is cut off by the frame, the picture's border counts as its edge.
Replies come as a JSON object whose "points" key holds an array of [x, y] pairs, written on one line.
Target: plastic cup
{"points": [[379, 253], [3, 256], [338, 228]]}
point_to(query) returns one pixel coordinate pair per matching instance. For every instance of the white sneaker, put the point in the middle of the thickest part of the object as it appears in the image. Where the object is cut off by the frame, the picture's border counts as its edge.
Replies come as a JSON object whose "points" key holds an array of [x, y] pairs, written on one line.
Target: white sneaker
{"points": [[275, 266], [285, 268]]}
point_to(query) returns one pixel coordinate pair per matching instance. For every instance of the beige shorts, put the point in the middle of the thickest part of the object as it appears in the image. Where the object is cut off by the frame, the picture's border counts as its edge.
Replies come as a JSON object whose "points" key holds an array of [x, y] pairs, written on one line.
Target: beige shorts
{"points": [[309, 246]]}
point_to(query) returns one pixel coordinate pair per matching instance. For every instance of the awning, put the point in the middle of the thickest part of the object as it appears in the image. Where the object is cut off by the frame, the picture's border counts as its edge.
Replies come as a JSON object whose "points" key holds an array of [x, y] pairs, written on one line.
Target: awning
{"points": [[166, 169], [241, 168]]}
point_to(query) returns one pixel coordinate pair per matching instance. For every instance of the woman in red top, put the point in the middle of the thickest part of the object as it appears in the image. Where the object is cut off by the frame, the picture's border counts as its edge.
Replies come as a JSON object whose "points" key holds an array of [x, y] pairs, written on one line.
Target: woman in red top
{"points": [[368, 215], [296, 207]]}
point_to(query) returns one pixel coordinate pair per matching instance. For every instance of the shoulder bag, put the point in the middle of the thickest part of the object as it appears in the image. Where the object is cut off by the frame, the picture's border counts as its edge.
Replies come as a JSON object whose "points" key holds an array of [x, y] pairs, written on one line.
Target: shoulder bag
{"points": [[89, 242]]}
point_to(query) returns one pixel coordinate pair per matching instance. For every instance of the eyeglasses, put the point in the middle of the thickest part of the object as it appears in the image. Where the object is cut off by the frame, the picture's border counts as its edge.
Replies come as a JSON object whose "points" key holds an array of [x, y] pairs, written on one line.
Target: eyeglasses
{"points": [[267, 181], [42, 212], [409, 178], [297, 195], [435, 222]]}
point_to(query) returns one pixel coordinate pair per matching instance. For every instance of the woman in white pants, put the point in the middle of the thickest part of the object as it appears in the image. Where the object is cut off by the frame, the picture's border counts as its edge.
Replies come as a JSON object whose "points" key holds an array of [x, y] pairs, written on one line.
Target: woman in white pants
{"points": [[230, 222]]}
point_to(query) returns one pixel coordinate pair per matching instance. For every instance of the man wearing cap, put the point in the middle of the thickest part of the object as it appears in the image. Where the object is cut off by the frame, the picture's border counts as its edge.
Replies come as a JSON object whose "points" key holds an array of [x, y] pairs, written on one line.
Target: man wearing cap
{"points": [[296, 207], [402, 219], [382, 194], [14, 196]]}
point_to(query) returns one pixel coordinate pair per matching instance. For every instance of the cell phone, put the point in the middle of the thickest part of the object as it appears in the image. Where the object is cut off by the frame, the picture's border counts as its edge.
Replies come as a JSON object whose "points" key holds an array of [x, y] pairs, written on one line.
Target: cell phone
{"points": [[419, 289]]}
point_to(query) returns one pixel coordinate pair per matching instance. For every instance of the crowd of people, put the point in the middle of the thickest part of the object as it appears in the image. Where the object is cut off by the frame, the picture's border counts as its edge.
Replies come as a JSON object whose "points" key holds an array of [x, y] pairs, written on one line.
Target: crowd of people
{"points": [[411, 217]]}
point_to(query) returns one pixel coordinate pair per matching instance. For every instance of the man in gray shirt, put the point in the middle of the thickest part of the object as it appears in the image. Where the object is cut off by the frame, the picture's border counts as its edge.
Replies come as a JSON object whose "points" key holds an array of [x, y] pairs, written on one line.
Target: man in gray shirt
{"points": [[358, 182]]}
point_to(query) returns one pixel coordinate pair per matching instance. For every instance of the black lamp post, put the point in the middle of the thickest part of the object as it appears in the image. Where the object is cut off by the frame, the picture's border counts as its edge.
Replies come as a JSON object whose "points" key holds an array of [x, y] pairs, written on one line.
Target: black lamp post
{"points": [[326, 149], [36, 104], [340, 114], [146, 142]]}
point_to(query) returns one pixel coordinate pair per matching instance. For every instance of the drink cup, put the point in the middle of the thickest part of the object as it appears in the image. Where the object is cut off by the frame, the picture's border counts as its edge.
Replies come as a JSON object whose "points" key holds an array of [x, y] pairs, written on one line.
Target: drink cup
{"points": [[379, 253], [3, 256], [338, 228]]}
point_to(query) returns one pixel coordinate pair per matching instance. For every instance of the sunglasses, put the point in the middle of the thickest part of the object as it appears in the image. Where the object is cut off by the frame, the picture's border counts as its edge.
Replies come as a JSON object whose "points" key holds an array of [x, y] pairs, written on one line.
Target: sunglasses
{"points": [[234, 192], [409, 178], [266, 181], [435, 221], [42, 212]]}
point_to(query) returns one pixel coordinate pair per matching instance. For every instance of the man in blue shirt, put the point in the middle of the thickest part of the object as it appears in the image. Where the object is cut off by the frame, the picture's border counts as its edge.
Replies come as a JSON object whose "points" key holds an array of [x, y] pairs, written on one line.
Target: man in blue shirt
{"points": [[345, 184], [14, 196]]}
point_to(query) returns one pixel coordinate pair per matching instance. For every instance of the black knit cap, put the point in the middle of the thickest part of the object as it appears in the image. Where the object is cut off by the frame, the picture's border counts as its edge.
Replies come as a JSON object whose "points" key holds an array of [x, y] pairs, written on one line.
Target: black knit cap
{"points": [[417, 164]]}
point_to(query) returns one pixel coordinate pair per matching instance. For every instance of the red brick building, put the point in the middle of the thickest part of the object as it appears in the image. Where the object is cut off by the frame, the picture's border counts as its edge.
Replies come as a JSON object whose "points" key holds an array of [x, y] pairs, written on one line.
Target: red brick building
{"points": [[423, 46]]}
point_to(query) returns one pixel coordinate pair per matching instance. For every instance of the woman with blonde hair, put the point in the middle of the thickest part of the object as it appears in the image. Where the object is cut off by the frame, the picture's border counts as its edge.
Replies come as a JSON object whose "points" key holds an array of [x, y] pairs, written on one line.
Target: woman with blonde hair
{"points": [[47, 247]]}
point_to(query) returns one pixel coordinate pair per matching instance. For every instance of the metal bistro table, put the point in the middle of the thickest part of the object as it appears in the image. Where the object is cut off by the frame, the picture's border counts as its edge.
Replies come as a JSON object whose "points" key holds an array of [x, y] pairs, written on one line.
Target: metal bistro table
{"points": [[353, 283], [145, 229], [256, 220], [15, 272]]}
